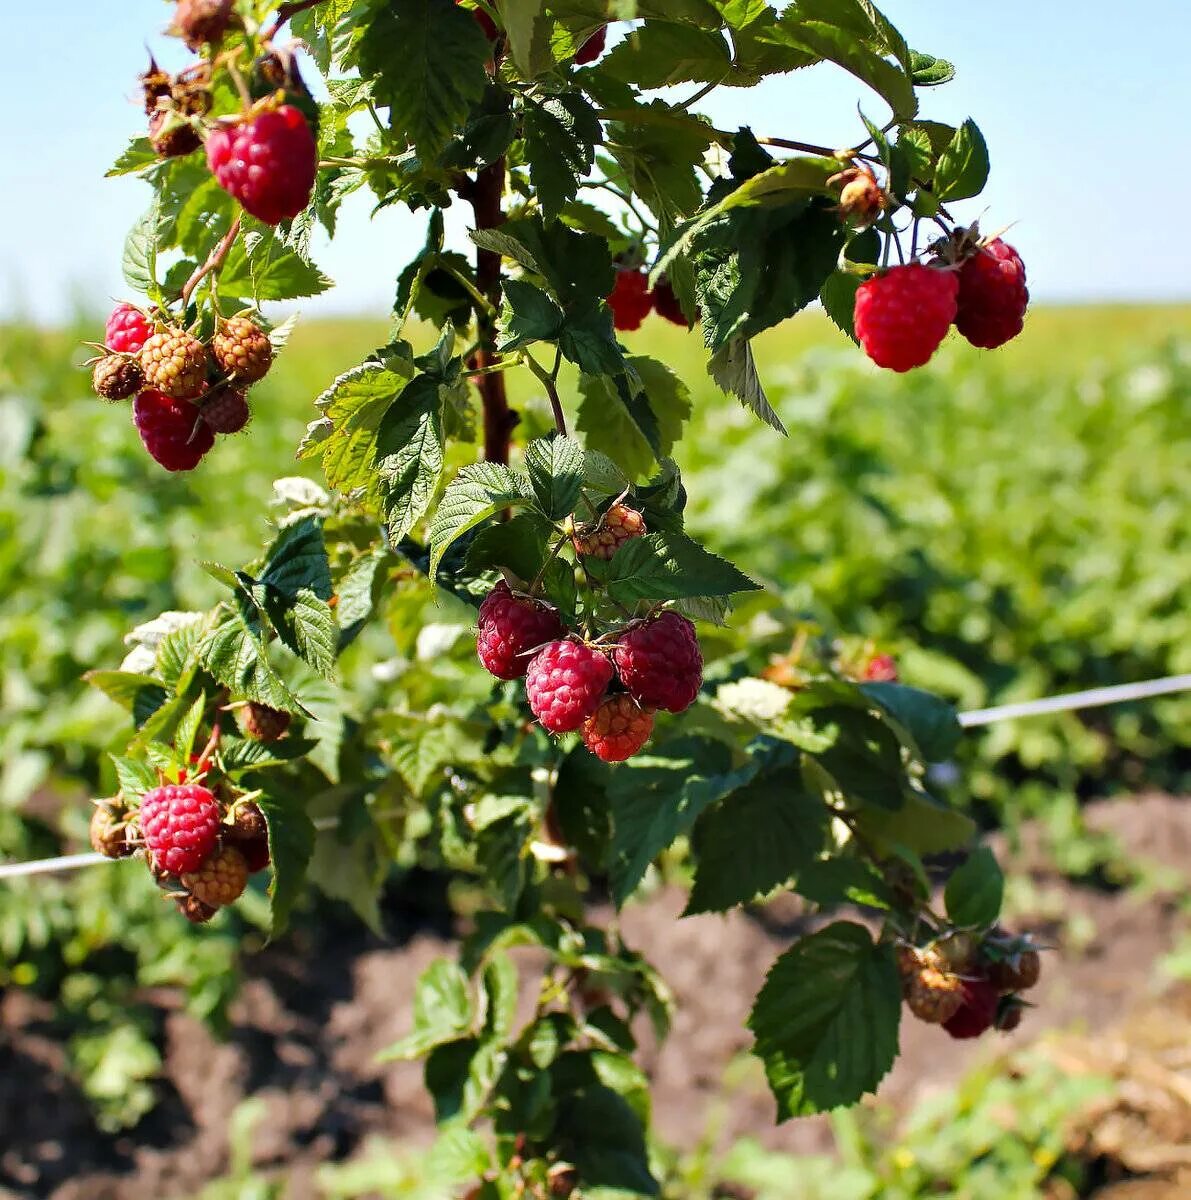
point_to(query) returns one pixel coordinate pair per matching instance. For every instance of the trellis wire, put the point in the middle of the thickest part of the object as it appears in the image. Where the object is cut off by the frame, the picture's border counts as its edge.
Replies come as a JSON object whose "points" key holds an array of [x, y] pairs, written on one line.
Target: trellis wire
{"points": [[1071, 702]]}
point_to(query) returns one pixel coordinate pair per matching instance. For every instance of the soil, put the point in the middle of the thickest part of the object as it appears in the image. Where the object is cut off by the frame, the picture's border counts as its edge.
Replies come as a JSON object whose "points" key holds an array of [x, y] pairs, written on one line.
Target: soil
{"points": [[305, 1041]]}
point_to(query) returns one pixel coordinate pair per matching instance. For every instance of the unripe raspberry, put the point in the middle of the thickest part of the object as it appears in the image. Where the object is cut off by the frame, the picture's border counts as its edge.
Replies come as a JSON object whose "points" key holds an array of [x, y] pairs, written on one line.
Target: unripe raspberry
{"points": [[617, 729], [180, 825], [171, 135], [665, 304], [881, 668], [221, 879], [630, 299], [128, 329], [268, 163], [902, 315], [242, 350], [262, 723], [175, 363], [109, 830], [992, 299], [226, 412], [593, 47], [602, 538], [861, 197], [194, 910], [117, 377], [660, 663], [511, 628], [932, 995], [977, 1012], [171, 430], [198, 22], [565, 683]]}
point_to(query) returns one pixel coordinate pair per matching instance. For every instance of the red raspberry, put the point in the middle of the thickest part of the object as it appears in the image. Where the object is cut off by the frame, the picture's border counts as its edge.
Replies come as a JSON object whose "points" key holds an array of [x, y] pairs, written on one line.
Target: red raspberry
{"points": [[268, 163], [172, 430], [221, 879], [565, 684], [175, 363], [242, 350], [993, 296], [180, 825], [977, 1012], [256, 854], [201, 21], [262, 723], [226, 412], [128, 329], [660, 663], [510, 628], [116, 377], [881, 668], [604, 537], [629, 299], [593, 47], [903, 315], [617, 729], [665, 304]]}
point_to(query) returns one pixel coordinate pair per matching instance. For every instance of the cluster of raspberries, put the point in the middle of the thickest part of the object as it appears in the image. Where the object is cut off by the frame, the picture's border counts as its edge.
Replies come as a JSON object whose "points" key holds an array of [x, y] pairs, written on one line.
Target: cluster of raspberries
{"points": [[200, 848], [185, 392], [902, 315], [608, 690], [969, 986], [631, 300]]}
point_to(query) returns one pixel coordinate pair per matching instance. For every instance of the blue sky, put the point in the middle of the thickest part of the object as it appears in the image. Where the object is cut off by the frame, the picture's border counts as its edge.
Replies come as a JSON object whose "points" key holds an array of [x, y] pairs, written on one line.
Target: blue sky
{"points": [[1084, 106]]}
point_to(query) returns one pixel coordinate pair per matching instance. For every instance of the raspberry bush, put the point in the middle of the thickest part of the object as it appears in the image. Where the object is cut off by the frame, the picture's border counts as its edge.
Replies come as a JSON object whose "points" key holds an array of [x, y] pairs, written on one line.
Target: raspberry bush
{"points": [[635, 743]]}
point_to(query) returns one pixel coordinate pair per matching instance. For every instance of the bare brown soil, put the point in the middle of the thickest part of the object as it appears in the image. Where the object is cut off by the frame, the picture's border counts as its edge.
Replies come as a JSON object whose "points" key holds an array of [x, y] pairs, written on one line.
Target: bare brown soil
{"points": [[312, 1017]]}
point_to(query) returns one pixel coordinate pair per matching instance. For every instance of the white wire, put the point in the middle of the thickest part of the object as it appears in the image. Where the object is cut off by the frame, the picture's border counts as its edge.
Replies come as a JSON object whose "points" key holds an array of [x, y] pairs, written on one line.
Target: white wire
{"points": [[1072, 701]]}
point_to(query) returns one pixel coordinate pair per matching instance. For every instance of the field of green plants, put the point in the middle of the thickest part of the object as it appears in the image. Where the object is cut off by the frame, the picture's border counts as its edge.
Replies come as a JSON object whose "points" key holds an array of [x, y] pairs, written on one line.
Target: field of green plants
{"points": [[1007, 526]]}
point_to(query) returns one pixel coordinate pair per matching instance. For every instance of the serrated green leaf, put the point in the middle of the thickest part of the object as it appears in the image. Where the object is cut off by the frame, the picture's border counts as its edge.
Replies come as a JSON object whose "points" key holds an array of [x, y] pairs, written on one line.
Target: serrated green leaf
{"points": [[962, 169], [930, 720], [140, 253], [560, 135], [838, 295], [476, 493], [135, 777], [136, 693], [261, 265], [826, 1020], [975, 890], [555, 468], [442, 1012], [668, 566], [297, 560], [928, 71], [291, 845], [409, 454], [735, 371]]}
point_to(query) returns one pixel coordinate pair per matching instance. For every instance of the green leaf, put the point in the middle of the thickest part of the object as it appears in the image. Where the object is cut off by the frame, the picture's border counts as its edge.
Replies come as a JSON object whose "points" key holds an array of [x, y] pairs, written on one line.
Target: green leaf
{"points": [[561, 133], [459, 1155], [263, 266], [409, 454], [864, 758], [443, 1011], [838, 295], [929, 71], [754, 840], [826, 1020], [291, 845], [962, 170], [657, 797], [975, 890], [555, 467], [668, 566], [140, 253], [657, 148], [930, 720], [141, 695], [134, 776], [735, 371], [523, 23], [427, 59], [307, 626], [921, 824], [297, 560], [475, 494], [529, 315], [519, 544], [662, 53]]}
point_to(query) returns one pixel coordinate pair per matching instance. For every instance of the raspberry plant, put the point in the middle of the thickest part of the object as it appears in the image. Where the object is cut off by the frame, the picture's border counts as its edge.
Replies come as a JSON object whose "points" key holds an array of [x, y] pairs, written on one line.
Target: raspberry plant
{"points": [[591, 202]]}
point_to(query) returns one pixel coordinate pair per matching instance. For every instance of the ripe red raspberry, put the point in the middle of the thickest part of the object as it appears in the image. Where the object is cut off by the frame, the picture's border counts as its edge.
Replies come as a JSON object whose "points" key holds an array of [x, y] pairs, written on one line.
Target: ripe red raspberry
{"points": [[109, 830], [881, 668], [180, 825], [991, 306], [268, 163], [171, 430], [197, 22], [602, 538], [660, 663], [226, 412], [629, 299], [903, 315], [175, 363], [117, 377], [128, 329], [194, 910], [510, 628], [565, 683], [221, 879], [977, 1012], [665, 304], [593, 47], [242, 350], [262, 723], [617, 729]]}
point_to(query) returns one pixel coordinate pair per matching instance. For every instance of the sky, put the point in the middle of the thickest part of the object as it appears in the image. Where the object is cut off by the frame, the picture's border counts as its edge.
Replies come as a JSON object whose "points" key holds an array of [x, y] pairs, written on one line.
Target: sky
{"points": [[1084, 106]]}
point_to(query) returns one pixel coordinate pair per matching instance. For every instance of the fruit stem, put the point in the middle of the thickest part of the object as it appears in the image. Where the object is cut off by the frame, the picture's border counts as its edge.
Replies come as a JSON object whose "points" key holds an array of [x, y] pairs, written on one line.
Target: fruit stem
{"points": [[486, 194], [214, 261], [548, 380]]}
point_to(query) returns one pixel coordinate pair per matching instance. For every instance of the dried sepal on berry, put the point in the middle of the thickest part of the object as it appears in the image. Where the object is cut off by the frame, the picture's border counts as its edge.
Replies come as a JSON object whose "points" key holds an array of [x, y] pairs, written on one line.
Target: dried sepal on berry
{"points": [[194, 909], [111, 832], [117, 377]]}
